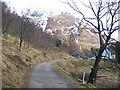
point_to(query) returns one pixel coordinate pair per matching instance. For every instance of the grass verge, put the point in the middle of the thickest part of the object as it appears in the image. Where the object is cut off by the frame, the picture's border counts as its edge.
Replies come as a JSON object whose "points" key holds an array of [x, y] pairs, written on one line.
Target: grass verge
{"points": [[72, 70]]}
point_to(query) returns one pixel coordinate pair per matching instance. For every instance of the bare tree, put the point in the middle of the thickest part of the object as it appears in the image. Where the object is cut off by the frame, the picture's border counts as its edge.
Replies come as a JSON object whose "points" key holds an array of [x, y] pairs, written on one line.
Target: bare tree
{"points": [[7, 17], [104, 20], [24, 25]]}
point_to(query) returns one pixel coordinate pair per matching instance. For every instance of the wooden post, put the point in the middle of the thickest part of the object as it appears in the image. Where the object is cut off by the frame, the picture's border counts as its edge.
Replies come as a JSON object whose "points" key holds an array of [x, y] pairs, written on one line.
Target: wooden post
{"points": [[83, 77]]}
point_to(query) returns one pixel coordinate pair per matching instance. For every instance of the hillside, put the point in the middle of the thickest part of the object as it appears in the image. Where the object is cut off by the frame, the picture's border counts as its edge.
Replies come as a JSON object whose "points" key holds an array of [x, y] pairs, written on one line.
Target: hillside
{"points": [[17, 66], [33, 39], [58, 22], [67, 29], [88, 40], [23, 46]]}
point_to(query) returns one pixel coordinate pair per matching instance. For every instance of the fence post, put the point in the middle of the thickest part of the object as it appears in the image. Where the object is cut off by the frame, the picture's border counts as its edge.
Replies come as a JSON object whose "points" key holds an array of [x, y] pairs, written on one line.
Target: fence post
{"points": [[83, 77]]}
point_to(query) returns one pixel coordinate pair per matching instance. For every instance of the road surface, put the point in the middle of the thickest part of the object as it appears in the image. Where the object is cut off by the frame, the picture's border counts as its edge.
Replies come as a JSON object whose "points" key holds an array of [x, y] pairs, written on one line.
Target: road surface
{"points": [[44, 77]]}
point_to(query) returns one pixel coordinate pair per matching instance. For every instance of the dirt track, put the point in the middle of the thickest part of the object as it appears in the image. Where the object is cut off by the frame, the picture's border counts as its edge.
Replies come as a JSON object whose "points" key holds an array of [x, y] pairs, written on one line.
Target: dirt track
{"points": [[44, 77]]}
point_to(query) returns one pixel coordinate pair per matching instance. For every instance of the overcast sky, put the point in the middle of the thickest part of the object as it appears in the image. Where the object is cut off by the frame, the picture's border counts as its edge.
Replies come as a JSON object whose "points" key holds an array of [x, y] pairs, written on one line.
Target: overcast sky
{"points": [[48, 6], [41, 5]]}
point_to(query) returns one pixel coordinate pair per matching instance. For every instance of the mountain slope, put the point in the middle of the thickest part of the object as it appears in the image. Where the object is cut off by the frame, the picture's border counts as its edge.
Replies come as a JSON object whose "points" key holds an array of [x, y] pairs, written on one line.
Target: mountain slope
{"points": [[67, 29], [17, 65], [60, 21]]}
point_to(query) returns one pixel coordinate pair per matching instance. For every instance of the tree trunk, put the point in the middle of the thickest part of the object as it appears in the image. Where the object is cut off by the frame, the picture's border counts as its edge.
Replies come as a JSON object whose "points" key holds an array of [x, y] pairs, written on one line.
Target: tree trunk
{"points": [[21, 39], [93, 74], [117, 52]]}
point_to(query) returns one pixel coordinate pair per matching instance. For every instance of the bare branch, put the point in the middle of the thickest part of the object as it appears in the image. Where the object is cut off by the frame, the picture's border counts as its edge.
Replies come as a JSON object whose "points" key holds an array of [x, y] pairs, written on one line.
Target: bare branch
{"points": [[116, 21], [115, 29], [77, 10], [92, 8], [113, 16], [91, 23], [85, 4], [75, 5], [74, 8], [103, 29], [103, 15]]}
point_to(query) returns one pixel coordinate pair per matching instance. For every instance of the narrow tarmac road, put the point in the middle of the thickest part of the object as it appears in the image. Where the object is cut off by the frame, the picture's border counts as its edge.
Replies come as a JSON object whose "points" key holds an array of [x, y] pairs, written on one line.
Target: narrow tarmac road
{"points": [[44, 77]]}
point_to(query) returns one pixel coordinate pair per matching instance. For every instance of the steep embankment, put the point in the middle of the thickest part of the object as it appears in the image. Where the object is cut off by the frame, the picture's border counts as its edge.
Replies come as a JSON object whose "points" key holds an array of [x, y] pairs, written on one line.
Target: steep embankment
{"points": [[16, 66]]}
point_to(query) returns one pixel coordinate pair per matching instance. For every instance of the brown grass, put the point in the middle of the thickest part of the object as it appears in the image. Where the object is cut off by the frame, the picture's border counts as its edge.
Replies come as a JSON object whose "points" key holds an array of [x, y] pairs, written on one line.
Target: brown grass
{"points": [[17, 66], [73, 69]]}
